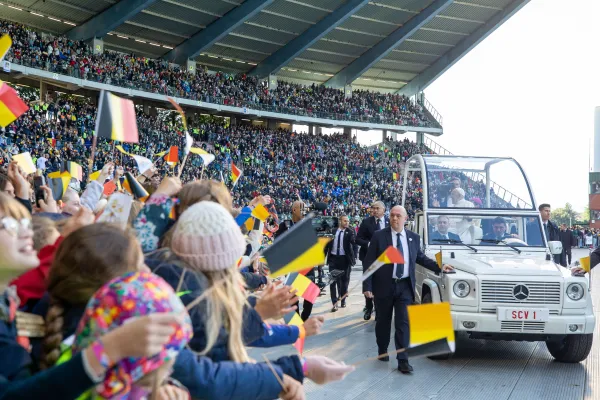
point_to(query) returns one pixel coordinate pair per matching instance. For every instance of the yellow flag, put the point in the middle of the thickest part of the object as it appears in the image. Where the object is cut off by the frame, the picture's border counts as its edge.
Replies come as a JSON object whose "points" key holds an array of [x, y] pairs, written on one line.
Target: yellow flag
{"points": [[122, 150], [5, 43], [430, 322], [438, 258], [585, 263]]}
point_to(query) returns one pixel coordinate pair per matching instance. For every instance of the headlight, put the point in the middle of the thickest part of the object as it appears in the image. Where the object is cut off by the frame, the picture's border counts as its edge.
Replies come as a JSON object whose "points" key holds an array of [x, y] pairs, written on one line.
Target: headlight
{"points": [[575, 291], [461, 288]]}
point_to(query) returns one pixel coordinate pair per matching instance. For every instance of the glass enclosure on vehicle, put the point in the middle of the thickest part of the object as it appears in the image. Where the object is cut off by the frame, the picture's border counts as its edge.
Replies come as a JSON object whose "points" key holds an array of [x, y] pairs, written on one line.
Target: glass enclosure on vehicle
{"points": [[475, 182], [484, 230]]}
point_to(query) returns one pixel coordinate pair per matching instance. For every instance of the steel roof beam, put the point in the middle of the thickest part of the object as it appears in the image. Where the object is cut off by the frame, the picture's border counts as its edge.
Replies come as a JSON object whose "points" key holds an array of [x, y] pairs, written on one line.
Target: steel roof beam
{"points": [[386, 45], [109, 19], [215, 31], [296, 46], [425, 78]]}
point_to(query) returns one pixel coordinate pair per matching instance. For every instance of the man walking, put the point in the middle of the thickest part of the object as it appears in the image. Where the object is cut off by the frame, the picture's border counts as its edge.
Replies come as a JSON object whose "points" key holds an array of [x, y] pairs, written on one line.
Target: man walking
{"points": [[368, 227], [340, 256], [393, 285]]}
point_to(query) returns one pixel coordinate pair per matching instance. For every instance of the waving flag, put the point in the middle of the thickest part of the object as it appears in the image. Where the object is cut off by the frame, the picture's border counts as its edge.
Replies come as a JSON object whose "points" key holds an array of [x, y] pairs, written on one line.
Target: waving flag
{"points": [[11, 106], [206, 157], [391, 255], [235, 173], [292, 318], [305, 287], [116, 119], [585, 263], [431, 329]]}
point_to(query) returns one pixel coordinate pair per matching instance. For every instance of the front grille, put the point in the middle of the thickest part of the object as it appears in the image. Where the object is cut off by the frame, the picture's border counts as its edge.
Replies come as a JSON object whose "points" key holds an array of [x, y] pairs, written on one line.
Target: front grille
{"points": [[502, 292], [522, 326], [489, 310]]}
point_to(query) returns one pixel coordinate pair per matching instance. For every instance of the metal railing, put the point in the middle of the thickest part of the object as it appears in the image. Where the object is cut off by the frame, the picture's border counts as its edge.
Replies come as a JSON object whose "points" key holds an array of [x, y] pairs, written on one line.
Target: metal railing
{"points": [[233, 101], [434, 113], [499, 191]]}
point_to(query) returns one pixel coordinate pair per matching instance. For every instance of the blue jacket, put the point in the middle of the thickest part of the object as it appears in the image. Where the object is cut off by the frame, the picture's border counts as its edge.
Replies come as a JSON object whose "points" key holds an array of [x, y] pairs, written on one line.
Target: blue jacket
{"points": [[204, 378], [255, 332], [16, 381]]}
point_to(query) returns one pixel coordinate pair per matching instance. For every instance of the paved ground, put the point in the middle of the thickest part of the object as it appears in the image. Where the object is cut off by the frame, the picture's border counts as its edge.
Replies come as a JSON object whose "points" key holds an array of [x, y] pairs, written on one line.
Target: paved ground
{"points": [[478, 370]]}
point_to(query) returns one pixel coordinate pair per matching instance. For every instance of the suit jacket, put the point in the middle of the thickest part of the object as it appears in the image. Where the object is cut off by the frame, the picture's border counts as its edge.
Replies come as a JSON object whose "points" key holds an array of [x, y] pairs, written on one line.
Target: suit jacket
{"points": [[381, 283], [348, 244], [368, 226], [437, 235]]}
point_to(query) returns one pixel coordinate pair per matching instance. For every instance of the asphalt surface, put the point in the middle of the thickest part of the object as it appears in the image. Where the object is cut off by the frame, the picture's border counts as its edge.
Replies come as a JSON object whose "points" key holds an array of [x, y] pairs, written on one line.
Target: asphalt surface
{"points": [[479, 369]]}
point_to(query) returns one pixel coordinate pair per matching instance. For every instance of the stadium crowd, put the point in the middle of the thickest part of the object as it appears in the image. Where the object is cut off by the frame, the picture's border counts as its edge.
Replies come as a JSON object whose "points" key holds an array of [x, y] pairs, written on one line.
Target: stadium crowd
{"points": [[318, 168], [76, 58]]}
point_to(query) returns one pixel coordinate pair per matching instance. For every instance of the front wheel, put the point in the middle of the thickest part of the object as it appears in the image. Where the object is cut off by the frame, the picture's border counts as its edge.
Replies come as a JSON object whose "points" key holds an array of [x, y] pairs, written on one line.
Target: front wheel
{"points": [[572, 348], [426, 300]]}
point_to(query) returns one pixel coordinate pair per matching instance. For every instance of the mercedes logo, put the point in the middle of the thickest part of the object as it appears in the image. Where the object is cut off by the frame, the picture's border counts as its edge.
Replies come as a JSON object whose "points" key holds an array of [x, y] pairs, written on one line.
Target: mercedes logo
{"points": [[520, 292]]}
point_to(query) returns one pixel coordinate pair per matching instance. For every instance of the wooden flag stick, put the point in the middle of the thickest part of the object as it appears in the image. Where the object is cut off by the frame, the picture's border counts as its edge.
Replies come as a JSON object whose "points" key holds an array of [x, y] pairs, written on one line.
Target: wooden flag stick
{"points": [[275, 373], [391, 353], [182, 165], [202, 173]]}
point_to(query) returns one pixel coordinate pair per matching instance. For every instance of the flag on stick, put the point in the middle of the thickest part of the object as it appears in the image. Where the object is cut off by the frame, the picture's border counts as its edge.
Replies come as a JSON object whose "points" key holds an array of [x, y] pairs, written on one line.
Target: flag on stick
{"points": [[429, 323], [74, 169], [586, 264], [438, 258], [296, 250], [58, 182], [235, 173], [305, 287], [391, 255], [135, 188], [292, 318], [11, 105], [116, 119]]}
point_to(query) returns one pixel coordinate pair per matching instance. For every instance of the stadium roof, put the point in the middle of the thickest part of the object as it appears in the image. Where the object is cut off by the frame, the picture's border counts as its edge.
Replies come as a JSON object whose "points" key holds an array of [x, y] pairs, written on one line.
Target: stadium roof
{"points": [[383, 44]]}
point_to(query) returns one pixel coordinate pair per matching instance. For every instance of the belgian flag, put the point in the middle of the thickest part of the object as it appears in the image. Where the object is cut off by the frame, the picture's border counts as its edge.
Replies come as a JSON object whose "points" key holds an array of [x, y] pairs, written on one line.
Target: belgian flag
{"points": [[11, 105], [297, 249], [116, 119], [135, 188], [58, 182], [292, 318]]}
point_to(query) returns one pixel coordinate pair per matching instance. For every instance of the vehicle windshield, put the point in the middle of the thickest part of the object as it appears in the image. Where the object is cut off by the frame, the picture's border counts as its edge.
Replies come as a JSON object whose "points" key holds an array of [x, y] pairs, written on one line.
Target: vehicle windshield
{"points": [[476, 182], [485, 230]]}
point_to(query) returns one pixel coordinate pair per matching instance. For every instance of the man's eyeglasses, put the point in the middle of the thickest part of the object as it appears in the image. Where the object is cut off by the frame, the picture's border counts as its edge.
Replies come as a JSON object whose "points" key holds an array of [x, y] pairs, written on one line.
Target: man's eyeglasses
{"points": [[13, 226]]}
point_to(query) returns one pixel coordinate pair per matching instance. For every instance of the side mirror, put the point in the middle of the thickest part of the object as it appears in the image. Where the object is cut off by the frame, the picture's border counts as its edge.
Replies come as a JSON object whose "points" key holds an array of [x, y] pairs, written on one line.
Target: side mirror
{"points": [[555, 247]]}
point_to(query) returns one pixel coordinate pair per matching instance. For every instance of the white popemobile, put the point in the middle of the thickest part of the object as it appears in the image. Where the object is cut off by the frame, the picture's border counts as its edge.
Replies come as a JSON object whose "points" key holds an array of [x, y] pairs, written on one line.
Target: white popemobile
{"points": [[506, 285]]}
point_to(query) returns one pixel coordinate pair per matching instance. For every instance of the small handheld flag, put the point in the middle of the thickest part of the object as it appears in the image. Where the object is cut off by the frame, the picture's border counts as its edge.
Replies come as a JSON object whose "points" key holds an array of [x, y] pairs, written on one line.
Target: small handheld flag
{"points": [[11, 106], [391, 255], [116, 119], [429, 323], [586, 264], [292, 318], [296, 250], [58, 182], [135, 188], [5, 43], [438, 258], [306, 288], [207, 158], [74, 169], [235, 173]]}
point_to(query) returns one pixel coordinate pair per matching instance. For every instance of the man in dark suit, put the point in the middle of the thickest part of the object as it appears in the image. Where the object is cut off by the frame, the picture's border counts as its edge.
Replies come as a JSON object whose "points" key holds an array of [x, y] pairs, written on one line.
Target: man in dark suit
{"points": [[550, 228], [499, 232], [393, 285], [442, 235], [368, 227], [340, 256], [568, 241]]}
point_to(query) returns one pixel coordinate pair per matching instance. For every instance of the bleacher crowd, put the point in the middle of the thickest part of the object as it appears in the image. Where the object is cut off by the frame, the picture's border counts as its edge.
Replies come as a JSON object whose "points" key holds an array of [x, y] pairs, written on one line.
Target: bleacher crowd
{"points": [[62, 55], [318, 168]]}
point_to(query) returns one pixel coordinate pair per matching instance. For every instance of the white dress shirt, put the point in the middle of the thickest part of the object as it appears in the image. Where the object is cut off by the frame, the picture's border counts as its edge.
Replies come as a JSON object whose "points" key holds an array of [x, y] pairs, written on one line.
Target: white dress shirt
{"points": [[405, 251], [339, 237]]}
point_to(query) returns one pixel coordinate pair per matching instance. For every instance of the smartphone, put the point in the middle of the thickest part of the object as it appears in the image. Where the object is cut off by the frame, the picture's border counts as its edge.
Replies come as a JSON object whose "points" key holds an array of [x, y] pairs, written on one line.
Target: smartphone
{"points": [[38, 182]]}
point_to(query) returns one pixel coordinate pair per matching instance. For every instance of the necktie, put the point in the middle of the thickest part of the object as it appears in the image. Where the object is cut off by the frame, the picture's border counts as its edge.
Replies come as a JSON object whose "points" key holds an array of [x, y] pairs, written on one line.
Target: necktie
{"points": [[546, 231], [339, 240], [378, 224], [400, 267]]}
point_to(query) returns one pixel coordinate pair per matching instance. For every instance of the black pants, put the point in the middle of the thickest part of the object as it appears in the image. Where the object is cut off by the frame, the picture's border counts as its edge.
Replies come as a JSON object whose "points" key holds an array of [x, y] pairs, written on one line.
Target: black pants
{"points": [[564, 257], [397, 305], [341, 284]]}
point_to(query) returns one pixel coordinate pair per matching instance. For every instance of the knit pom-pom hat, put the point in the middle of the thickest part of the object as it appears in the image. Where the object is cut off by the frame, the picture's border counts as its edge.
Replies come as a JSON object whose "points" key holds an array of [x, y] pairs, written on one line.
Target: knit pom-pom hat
{"points": [[207, 238]]}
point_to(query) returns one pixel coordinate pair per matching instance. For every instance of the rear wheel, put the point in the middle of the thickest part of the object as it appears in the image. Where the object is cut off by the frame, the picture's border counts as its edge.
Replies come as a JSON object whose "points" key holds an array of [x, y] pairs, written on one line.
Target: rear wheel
{"points": [[572, 348], [425, 300]]}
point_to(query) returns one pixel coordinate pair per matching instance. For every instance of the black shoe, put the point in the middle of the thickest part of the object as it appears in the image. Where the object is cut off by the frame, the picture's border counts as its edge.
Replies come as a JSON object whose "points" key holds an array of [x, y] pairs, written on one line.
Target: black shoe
{"points": [[368, 314], [405, 367], [335, 308], [384, 358], [343, 303]]}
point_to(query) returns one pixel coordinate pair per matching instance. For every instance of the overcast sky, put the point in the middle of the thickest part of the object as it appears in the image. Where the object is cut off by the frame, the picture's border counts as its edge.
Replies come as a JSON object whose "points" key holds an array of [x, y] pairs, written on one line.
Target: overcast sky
{"points": [[529, 91]]}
